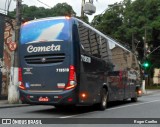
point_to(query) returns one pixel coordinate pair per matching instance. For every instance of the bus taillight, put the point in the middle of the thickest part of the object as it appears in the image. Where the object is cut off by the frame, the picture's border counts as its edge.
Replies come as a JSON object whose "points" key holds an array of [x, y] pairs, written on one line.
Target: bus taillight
{"points": [[72, 78], [21, 85]]}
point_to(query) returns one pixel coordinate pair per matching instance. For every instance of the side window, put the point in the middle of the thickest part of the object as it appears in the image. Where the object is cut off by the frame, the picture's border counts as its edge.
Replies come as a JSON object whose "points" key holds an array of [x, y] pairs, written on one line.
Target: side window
{"points": [[104, 48], [84, 38], [99, 46], [93, 43], [111, 45], [120, 58], [94, 40]]}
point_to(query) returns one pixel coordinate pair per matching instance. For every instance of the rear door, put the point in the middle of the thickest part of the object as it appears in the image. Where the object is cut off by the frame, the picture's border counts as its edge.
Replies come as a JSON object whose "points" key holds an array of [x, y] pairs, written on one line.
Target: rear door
{"points": [[45, 54]]}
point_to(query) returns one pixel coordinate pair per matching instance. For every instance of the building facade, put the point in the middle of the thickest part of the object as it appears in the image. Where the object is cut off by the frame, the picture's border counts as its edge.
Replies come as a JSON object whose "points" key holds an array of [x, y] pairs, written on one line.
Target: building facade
{"points": [[156, 77]]}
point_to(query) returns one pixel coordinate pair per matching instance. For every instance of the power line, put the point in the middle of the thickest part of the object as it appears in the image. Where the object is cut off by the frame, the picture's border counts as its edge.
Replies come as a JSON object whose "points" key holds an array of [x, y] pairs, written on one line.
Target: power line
{"points": [[35, 2], [6, 5], [44, 4], [9, 3]]}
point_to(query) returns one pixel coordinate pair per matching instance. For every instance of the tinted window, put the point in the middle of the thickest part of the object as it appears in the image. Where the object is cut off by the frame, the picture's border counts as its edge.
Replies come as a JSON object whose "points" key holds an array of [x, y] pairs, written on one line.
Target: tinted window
{"points": [[84, 38], [93, 43], [45, 30]]}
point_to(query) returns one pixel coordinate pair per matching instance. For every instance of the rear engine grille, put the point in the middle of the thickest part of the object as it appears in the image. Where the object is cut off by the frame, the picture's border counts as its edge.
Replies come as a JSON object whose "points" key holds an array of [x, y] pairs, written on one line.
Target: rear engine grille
{"points": [[45, 58]]}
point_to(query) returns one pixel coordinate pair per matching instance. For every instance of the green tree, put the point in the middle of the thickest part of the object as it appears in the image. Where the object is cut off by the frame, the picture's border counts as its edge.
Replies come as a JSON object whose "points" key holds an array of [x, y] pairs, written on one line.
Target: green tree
{"points": [[127, 18], [85, 18], [111, 22], [32, 12], [62, 9]]}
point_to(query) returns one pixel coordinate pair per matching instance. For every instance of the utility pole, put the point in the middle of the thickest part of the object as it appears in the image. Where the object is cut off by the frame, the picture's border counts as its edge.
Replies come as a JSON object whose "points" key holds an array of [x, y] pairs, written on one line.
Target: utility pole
{"points": [[13, 93], [82, 12], [17, 34]]}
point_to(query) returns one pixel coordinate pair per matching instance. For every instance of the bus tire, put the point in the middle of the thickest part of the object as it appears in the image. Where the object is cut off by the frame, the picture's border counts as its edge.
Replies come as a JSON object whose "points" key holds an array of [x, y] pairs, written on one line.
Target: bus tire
{"points": [[104, 99], [58, 106], [134, 99]]}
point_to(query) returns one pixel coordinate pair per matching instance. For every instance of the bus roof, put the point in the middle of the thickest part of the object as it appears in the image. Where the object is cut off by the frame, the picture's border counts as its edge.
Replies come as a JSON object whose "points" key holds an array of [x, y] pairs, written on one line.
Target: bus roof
{"points": [[85, 24], [47, 18]]}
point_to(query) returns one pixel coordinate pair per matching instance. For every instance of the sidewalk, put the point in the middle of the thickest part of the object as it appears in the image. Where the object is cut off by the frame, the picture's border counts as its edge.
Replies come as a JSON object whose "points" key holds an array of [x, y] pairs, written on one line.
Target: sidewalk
{"points": [[5, 104], [149, 92]]}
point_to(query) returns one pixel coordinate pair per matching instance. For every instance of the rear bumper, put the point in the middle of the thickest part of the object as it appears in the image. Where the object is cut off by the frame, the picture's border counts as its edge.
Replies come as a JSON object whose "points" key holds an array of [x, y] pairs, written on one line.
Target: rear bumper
{"points": [[67, 97]]}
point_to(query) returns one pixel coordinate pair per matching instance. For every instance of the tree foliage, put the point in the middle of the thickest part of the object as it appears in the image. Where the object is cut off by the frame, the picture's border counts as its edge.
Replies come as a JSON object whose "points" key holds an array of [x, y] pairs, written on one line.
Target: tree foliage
{"points": [[60, 9], [127, 18], [32, 12]]}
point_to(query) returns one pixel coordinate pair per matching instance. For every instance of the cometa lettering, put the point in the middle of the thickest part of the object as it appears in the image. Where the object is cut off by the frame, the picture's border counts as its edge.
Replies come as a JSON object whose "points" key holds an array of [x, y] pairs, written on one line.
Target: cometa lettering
{"points": [[52, 47]]}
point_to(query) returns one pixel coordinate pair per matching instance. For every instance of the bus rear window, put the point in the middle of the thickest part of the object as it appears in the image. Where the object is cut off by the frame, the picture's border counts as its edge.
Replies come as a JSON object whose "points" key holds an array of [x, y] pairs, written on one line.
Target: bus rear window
{"points": [[45, 30]]}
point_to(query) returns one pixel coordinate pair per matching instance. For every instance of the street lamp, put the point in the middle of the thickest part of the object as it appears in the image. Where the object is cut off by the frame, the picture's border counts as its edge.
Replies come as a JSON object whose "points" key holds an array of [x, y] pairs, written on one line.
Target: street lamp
{"points": [[87, 8]]}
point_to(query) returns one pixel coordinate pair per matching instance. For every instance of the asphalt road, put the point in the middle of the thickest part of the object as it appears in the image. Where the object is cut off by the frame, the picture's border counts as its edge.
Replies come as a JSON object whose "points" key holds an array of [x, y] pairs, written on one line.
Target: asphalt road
{"points": [[146, 107]]}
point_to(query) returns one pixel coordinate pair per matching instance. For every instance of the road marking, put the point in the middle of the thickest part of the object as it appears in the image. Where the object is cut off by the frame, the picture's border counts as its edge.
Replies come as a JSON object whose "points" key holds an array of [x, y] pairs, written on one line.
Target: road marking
{"points": [[78, 114], [133, 105], [154, 95], [111, 109]]}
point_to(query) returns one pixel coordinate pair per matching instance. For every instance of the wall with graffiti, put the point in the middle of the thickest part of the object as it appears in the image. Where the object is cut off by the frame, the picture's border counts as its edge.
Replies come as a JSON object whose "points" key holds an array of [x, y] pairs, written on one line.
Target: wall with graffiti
{"points": [[7, 55]]}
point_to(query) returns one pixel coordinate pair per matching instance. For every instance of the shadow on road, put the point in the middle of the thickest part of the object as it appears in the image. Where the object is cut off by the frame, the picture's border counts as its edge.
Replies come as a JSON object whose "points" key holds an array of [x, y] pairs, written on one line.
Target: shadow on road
{"points": [[119, 103], [67, 110], [79, 109]]}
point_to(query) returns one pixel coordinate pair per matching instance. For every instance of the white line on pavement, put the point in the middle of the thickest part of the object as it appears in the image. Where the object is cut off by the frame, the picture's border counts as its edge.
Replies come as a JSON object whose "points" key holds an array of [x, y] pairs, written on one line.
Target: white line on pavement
{"points": [[78, 114], [133, 105], [112, 108]]}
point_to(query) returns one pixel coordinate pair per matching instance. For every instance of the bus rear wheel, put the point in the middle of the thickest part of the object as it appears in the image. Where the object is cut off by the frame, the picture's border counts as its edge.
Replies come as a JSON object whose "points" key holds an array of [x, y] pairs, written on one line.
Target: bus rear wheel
{"points": [[104, 98], [134, 99]]}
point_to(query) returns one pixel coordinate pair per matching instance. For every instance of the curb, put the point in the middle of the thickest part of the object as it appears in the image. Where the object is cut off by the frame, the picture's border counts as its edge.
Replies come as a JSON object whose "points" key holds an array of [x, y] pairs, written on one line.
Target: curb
{"points": [[146, 94], [150, 92], [12, 105]]}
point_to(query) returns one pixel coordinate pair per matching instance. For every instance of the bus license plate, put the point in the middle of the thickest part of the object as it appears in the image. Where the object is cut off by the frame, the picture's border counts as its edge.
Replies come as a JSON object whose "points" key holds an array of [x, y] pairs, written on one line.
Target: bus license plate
{"points": [[43, 99]]}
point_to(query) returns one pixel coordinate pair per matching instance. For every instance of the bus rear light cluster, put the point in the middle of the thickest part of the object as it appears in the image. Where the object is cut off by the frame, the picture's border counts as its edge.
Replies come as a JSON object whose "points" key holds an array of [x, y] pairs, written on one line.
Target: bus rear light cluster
{"points": [[21, 85], [72, 78]]}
